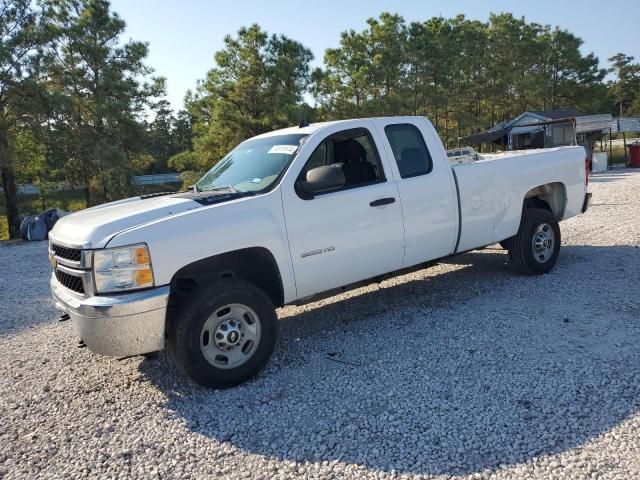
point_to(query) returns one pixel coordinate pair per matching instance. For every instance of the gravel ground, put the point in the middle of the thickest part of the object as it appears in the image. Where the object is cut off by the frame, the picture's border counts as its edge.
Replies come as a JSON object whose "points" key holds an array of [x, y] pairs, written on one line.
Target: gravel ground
{"points": [[462, 370]]}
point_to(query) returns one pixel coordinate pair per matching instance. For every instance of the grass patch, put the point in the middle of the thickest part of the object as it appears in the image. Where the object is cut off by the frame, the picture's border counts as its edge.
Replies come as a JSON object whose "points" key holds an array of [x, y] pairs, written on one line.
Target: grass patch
{"points": [[4, 228], [616, 156]]}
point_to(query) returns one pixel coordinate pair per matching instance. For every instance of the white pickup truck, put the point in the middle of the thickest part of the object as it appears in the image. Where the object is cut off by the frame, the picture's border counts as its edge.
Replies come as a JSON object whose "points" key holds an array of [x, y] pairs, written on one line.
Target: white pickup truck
{"points": [[287, 216]]}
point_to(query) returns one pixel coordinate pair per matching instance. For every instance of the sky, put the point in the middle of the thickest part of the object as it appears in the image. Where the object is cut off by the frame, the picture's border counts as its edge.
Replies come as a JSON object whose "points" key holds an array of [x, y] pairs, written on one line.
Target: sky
{"points": [[183, 35]]}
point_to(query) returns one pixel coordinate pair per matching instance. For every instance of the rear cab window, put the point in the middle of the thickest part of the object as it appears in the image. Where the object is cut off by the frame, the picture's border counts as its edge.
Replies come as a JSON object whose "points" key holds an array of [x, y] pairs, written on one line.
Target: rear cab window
{"points": [[409, 150]]}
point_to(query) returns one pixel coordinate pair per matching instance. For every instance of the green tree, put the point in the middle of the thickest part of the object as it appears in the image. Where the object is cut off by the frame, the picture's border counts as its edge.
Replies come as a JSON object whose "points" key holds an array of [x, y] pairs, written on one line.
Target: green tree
{"points": [[23, 37], [367, 72], [160, 132], [386, 40], [105, 87], [467, 96], [168, 134], [465, 75], [509, 54], [432, 50], [256, 86], [568, 77], [182, 131], [625, 89], [342, 89], [29, 153]]}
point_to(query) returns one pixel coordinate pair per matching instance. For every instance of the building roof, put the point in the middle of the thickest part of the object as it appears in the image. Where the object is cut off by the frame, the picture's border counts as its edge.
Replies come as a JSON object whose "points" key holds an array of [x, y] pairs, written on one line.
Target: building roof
{"points": [[626, 124], [557, 114], [533, 120], [490, 136]]}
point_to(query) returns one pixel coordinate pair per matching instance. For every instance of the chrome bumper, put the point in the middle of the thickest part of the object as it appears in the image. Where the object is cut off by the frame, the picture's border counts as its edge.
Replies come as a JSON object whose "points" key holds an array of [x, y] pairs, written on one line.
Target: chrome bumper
{"points": [[116, 325]]}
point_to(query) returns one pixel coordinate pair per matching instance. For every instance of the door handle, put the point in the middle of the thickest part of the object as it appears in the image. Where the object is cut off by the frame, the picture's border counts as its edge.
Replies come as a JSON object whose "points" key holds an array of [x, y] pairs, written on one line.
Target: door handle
{"points": [[382, 201]]}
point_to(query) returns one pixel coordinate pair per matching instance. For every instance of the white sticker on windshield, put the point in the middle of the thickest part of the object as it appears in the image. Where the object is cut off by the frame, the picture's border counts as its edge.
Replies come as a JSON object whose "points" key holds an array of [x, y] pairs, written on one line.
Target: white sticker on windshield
{"points": [[287, 149]]}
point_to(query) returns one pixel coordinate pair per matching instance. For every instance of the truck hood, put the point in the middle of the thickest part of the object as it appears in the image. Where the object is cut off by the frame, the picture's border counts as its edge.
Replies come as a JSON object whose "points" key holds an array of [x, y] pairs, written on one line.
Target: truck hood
{"points": [[94, 227]]}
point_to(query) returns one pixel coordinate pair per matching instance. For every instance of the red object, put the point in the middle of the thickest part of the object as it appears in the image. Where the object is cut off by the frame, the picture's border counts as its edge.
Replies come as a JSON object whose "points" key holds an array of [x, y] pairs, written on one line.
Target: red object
{"points": [[634, 155]]}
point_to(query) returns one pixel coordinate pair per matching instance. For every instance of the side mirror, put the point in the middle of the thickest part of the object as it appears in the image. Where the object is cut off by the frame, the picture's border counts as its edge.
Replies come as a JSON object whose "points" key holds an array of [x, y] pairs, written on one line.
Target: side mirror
{"points": [[321, 179]]}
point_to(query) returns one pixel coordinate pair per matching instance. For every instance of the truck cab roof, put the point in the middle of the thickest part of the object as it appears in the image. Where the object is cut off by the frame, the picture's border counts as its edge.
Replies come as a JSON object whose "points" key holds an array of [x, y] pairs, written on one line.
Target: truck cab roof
{"points": [[314, 127]]}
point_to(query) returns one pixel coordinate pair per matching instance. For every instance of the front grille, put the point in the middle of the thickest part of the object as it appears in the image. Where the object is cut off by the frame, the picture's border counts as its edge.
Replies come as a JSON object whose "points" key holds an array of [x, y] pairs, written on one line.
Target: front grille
{"points": [[70, 281], [72, 254]]}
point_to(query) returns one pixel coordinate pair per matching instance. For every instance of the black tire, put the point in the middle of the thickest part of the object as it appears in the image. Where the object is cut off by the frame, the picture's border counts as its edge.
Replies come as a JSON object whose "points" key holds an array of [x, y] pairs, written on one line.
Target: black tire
{"points": [[506, 244], [521, 248], [186, 327]]}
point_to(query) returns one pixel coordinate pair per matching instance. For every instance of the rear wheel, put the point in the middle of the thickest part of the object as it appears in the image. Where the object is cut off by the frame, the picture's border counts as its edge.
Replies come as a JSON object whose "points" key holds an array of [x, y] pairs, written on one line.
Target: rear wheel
{"points": [[535, 249], [224, 334]]}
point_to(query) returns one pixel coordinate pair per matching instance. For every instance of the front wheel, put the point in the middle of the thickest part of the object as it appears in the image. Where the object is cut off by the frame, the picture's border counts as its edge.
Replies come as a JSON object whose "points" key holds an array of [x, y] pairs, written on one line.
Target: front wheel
{"points": [[506, 244], [224, 333], [535, 249]]}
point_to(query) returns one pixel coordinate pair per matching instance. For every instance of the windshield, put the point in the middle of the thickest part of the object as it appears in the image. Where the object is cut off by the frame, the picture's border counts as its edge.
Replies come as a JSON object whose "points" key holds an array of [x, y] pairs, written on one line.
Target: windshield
{"points": [[253, 165]]}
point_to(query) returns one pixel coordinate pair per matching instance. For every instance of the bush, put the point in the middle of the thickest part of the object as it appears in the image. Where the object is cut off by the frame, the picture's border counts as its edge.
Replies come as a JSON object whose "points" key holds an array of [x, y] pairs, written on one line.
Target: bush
{"points": [[189, 178], [4, 228]]}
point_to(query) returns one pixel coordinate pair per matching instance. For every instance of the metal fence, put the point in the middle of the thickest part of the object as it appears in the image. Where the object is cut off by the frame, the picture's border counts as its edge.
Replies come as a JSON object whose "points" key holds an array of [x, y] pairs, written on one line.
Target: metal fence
{"points": [[157, 179], [31, 189]]}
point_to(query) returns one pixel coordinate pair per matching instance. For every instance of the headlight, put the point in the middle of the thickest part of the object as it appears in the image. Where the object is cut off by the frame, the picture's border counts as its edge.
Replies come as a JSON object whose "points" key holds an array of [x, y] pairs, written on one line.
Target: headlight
{"points": [[122, 268]]}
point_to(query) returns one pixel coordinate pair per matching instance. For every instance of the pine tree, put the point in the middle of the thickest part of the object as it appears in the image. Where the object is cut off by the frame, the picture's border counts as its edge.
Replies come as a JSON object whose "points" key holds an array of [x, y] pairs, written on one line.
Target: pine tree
{"points": [[23, 36], [105, 87]]}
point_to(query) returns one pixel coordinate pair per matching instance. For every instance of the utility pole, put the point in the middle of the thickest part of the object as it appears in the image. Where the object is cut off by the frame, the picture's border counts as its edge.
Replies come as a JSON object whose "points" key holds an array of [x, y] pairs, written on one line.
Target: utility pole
{"points": [[624, 142], [610, 162]]}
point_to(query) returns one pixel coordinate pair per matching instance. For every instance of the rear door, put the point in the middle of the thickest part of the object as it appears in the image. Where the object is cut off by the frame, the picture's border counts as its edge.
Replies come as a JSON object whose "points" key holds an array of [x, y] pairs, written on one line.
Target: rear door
{"points": [[352, 233], [426, 186]]}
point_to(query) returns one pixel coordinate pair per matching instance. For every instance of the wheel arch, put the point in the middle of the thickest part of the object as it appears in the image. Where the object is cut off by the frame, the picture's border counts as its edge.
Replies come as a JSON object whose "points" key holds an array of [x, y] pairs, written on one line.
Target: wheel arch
{"points": [[256, 265], [550, 196]]}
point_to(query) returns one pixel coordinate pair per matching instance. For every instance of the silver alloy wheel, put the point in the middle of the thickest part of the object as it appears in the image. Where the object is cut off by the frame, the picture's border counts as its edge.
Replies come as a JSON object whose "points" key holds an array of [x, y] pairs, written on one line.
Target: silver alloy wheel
{"points": [[543, 242], [230, 336]]}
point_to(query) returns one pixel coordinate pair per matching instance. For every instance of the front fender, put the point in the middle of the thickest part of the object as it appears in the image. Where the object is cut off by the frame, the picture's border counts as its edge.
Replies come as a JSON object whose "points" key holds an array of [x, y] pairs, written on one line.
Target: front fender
{"points": [[182, 239]]}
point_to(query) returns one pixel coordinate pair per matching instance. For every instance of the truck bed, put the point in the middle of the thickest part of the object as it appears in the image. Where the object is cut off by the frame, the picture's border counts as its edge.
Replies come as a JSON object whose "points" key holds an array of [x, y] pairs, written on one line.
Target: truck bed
{"points": [[458, 156], [491, 188]]}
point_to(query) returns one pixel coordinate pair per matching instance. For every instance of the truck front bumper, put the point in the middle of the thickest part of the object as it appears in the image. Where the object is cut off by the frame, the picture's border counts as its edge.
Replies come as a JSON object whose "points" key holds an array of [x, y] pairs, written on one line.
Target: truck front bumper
{"points": [[116, 325]]}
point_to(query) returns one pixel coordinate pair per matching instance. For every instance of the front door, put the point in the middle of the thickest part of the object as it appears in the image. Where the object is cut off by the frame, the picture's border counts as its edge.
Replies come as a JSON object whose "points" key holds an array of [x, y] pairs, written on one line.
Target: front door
{"points": [[352, 233]]}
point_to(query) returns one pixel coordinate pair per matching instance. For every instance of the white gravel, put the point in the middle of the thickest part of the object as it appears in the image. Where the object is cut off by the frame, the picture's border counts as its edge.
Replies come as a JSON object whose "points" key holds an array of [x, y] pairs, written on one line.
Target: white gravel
{"points": [[462, 370]]}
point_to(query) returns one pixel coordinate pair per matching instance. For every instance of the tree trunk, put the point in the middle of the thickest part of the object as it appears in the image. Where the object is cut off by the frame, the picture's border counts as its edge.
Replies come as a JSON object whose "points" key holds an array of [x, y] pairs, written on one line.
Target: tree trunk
{"points": [[44, 203], [446, 124], [7, 172], [11, 200], [87, 195]]}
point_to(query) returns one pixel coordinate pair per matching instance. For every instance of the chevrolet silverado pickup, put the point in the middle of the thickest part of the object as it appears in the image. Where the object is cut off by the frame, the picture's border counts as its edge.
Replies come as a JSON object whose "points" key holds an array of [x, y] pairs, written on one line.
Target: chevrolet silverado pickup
{"points": [[288, 216]]}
